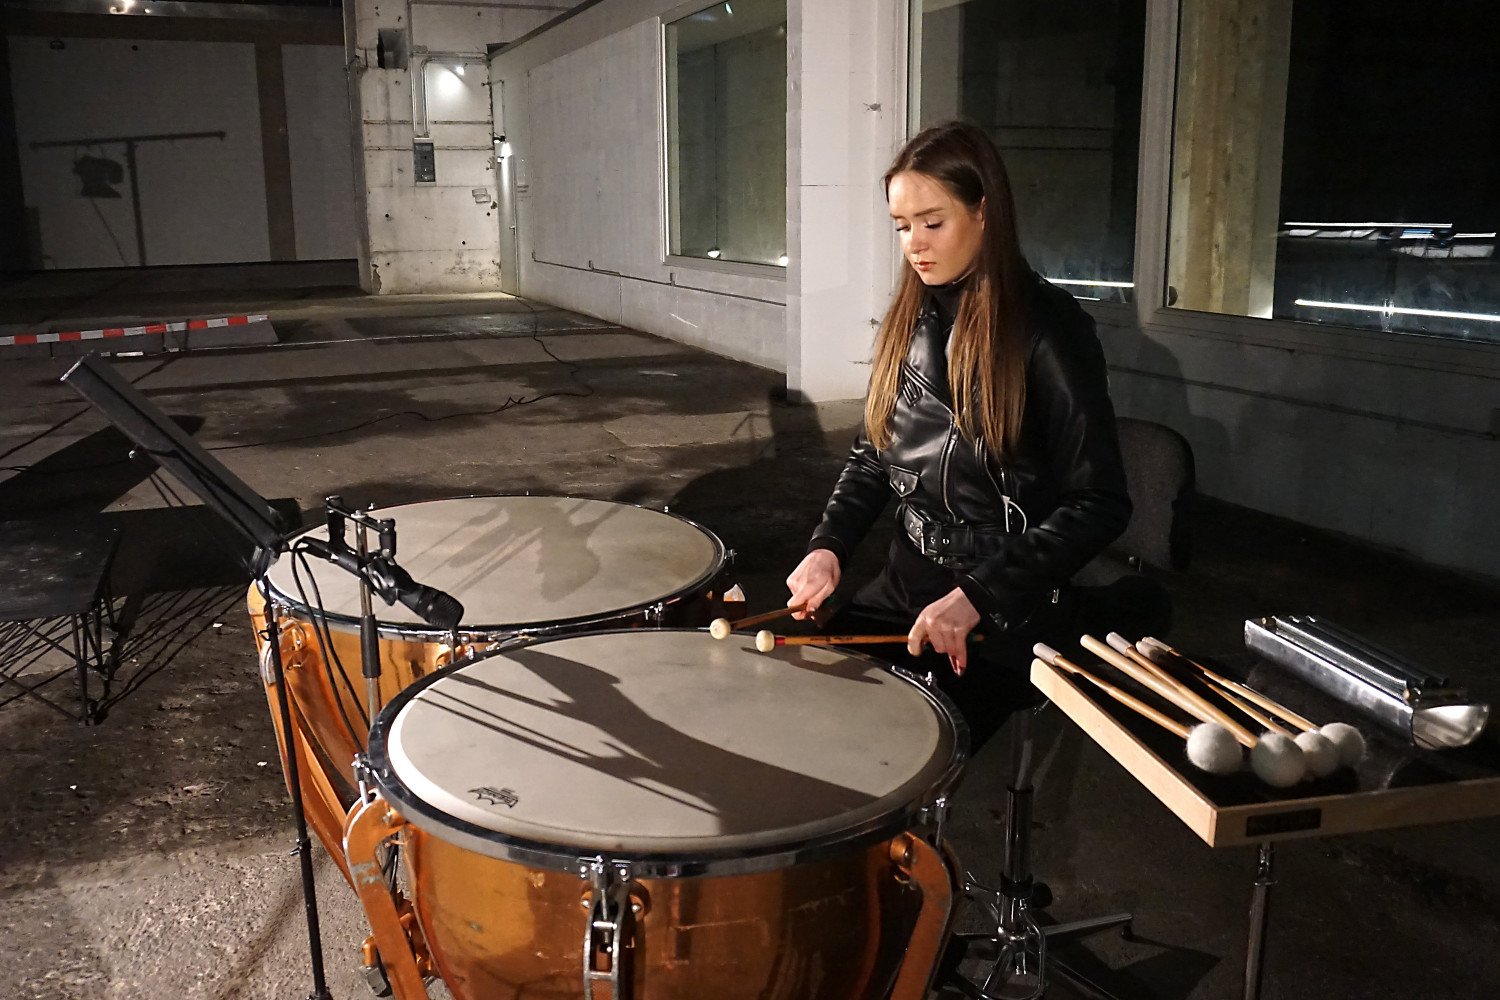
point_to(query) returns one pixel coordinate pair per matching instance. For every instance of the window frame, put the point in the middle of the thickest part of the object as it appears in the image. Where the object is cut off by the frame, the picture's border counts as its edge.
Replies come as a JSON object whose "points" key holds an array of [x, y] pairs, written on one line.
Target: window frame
{"points": [[666, 68]]}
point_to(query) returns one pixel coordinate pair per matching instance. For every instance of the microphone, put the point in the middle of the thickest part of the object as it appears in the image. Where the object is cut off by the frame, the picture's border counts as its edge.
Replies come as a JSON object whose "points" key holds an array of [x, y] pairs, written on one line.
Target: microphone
{"points": [[428, 603], [392, 584], [341, 556]]}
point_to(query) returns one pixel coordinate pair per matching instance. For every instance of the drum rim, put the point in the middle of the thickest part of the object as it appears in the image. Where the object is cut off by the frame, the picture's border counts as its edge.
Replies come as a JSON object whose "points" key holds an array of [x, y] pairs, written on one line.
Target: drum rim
{"points": [[491, 632], [375, 767]]}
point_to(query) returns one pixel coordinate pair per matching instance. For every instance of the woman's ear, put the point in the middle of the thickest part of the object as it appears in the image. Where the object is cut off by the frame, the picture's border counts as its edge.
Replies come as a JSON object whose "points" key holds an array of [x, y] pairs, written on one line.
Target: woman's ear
{"points": [[981, 212]]}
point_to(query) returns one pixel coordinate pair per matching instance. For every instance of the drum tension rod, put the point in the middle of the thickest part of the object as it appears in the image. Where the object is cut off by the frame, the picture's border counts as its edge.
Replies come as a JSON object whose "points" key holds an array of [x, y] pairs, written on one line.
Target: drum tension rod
{"points": [[608, 927]]}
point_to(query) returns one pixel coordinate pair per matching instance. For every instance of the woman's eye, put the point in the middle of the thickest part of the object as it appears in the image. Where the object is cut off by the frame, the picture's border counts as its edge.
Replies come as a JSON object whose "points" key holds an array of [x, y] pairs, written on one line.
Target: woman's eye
{"points": [[934, 225], [903, 229]]}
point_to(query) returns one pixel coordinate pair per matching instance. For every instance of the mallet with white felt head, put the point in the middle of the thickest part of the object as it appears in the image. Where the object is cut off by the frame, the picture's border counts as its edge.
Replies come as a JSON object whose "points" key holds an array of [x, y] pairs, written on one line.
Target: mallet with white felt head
{"points": [[1210, 747], [1347, 740], [720, 628], [1274, 758], [1319, 754]]}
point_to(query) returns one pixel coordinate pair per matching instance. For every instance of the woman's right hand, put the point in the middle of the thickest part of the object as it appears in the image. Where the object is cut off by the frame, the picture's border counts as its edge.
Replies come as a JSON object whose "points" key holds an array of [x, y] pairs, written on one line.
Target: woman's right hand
{"points": [[813, 581]]}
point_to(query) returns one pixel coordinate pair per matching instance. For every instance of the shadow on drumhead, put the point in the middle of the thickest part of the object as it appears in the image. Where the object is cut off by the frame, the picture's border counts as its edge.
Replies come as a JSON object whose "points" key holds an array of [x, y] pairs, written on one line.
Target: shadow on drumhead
{"points": [[743, 793]]}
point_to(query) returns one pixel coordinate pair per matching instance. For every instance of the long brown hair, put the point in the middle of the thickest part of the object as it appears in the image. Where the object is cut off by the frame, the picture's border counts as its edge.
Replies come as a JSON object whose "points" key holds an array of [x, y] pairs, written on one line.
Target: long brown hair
{"points": [[987, 365]]}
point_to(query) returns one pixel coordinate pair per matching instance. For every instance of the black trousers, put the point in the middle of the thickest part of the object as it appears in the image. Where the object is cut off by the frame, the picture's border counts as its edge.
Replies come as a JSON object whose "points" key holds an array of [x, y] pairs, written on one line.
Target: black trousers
{"points": [[998, 679]]}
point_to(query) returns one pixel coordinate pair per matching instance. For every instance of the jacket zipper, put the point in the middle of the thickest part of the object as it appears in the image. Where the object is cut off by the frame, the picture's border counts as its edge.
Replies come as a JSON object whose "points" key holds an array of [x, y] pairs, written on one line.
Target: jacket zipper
{"points": [[943, 472]]}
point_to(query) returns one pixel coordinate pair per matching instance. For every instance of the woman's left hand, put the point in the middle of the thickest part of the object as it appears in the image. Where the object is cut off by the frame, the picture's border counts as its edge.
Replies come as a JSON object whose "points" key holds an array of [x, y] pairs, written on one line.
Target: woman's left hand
{"points": [[945, 625]]}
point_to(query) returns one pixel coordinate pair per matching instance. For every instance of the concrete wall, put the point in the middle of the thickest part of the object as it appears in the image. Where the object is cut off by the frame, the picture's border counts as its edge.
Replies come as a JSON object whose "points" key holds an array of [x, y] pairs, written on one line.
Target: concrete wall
{"points": [[846, 118], [444, 236], [275, 186], [322, 167], [583, 112], [202, 200], [583, 108]]}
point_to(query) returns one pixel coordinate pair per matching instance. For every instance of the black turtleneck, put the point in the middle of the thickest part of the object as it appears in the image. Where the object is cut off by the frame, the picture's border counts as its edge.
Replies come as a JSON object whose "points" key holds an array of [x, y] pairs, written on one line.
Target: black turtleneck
{"points": [[945, 298]]}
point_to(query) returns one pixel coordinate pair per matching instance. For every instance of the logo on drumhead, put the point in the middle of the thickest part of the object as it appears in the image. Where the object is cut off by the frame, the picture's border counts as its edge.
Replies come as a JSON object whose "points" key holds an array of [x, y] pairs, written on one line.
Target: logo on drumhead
{"points": [[496, 796]]}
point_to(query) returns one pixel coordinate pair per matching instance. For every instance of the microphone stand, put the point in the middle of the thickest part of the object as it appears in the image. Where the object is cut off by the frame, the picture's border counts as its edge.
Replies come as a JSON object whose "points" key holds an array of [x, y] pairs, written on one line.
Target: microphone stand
{"points": [[377, 573], [303, 850]]}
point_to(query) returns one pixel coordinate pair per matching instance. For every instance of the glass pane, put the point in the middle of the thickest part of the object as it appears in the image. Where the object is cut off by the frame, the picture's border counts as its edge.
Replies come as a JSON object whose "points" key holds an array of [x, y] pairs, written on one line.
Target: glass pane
{"points": [[1057, 85], [726, 132], [1324, 172]]}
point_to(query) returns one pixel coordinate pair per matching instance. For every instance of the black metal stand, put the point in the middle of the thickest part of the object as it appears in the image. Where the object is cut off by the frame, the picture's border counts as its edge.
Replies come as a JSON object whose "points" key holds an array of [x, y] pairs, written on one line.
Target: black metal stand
{"points": [[1020, 963], [1260, 907], [294, 779]]}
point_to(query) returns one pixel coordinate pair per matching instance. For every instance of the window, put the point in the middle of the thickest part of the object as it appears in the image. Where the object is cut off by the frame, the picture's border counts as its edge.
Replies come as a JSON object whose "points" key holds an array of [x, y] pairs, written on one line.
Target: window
{"points": [[726, 133], [1057, 85], [1339, 163]]}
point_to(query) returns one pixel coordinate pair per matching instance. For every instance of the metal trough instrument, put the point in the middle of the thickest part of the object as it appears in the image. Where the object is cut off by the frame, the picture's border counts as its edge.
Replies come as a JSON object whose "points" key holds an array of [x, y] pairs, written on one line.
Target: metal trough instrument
{"points": [[1422, 707]]}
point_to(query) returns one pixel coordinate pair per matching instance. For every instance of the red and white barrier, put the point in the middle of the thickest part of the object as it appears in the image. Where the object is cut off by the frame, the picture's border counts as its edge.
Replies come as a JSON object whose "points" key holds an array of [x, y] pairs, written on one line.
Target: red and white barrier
{"points": [[182, 326]]}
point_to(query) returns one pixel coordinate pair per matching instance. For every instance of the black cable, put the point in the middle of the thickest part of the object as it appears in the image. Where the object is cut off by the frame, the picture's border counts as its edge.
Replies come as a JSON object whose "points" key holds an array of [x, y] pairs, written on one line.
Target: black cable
{"points": [[330, 656]]}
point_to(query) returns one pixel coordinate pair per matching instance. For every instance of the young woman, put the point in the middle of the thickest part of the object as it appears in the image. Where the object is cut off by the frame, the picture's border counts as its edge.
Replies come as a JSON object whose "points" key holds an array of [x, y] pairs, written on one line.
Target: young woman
{"points": [[988, 419]]}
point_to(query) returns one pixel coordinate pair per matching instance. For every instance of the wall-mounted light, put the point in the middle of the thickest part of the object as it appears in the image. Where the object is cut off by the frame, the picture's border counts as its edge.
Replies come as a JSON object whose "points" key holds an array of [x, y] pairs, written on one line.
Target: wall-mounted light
{"points": [[728, 10], [459, 69], [502, 147], [714, 252], [781, 260]]}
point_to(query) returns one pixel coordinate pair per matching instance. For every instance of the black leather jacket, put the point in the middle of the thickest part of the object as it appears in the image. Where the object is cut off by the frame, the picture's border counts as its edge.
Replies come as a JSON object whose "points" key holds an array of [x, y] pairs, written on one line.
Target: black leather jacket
{"points": [[1021, 527]]}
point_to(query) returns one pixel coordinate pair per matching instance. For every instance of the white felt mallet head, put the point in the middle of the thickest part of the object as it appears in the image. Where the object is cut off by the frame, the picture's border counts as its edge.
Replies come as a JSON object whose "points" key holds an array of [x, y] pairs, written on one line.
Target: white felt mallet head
{"points": [[1212, 748], [719, 628], [1277, 760], [1349, 741], [765, 640], [1319, 753]]}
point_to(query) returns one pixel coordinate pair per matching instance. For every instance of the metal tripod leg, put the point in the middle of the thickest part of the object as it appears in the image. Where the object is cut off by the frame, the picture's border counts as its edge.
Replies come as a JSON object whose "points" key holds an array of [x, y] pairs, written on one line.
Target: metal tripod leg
{"points": [[1020, 965]]}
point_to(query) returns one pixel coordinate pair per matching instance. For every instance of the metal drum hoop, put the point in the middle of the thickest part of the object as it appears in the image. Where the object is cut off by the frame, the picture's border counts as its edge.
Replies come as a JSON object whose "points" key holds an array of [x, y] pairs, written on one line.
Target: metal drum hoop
{"points": [[487, 633], [376, 769]]}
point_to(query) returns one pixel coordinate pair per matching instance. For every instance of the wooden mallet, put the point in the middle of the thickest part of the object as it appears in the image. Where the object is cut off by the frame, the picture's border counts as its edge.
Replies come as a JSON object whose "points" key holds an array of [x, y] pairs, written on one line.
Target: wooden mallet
{"points": [[1210, 747], [720, 628], [766, 640], [1347, 740], [1275, 758]]}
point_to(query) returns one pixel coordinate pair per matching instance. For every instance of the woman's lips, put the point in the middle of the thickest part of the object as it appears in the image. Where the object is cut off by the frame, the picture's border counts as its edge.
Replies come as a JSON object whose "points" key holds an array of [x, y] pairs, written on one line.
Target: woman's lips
{"points": [[922, 265]]}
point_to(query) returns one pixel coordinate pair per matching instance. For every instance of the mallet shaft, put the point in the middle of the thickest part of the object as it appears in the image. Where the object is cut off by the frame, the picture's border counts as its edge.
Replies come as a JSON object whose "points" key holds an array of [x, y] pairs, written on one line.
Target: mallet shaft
{"points": [[1155, 647], [1189, 701], [1128, 700], [766, 616]]}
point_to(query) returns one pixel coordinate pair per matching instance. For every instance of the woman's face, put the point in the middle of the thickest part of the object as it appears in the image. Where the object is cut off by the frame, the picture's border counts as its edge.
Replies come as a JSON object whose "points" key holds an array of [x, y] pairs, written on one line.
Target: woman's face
{"points": [[940, 235]]}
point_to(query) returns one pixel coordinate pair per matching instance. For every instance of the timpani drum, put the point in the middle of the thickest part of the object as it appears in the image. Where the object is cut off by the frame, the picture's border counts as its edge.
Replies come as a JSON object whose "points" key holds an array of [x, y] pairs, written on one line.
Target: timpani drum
{"points": [[659, 816], [520, 565]]}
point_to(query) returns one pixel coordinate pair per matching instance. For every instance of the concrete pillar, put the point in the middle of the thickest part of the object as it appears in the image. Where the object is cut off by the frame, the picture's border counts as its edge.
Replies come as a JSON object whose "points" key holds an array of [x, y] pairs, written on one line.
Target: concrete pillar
{"points": [[418, 70], [1226, 163], [846, 115]]}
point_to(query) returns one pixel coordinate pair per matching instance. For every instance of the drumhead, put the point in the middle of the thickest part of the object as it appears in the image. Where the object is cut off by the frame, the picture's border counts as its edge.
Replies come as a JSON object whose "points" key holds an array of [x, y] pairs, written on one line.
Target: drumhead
{"points": [[663, 744], [522, 562]]}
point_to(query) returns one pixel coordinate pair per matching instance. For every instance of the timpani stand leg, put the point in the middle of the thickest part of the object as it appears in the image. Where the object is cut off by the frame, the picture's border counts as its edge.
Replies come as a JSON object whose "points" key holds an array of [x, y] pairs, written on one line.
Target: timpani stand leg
{"points": [[1019, 968], [1260, 903]]}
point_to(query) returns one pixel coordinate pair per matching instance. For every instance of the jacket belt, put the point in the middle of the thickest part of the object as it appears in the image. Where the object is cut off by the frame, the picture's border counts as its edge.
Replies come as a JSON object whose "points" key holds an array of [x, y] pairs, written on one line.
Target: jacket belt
{"points": [[960, 546]]}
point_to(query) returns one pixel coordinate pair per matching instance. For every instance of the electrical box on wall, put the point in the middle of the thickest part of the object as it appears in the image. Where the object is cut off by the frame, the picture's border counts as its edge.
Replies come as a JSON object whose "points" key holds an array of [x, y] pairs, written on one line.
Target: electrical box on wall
{"points": [[424, 161]]}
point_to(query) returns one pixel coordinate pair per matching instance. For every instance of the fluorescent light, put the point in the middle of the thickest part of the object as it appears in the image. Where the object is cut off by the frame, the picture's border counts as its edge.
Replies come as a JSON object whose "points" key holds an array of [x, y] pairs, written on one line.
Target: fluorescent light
{"points": [[1369, 225], [1398, 310], [1092, 284]]}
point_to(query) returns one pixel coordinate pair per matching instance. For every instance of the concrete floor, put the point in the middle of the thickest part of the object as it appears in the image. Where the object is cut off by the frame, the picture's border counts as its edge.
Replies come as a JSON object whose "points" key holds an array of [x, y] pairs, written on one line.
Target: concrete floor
{"points": [[147, 857]]}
